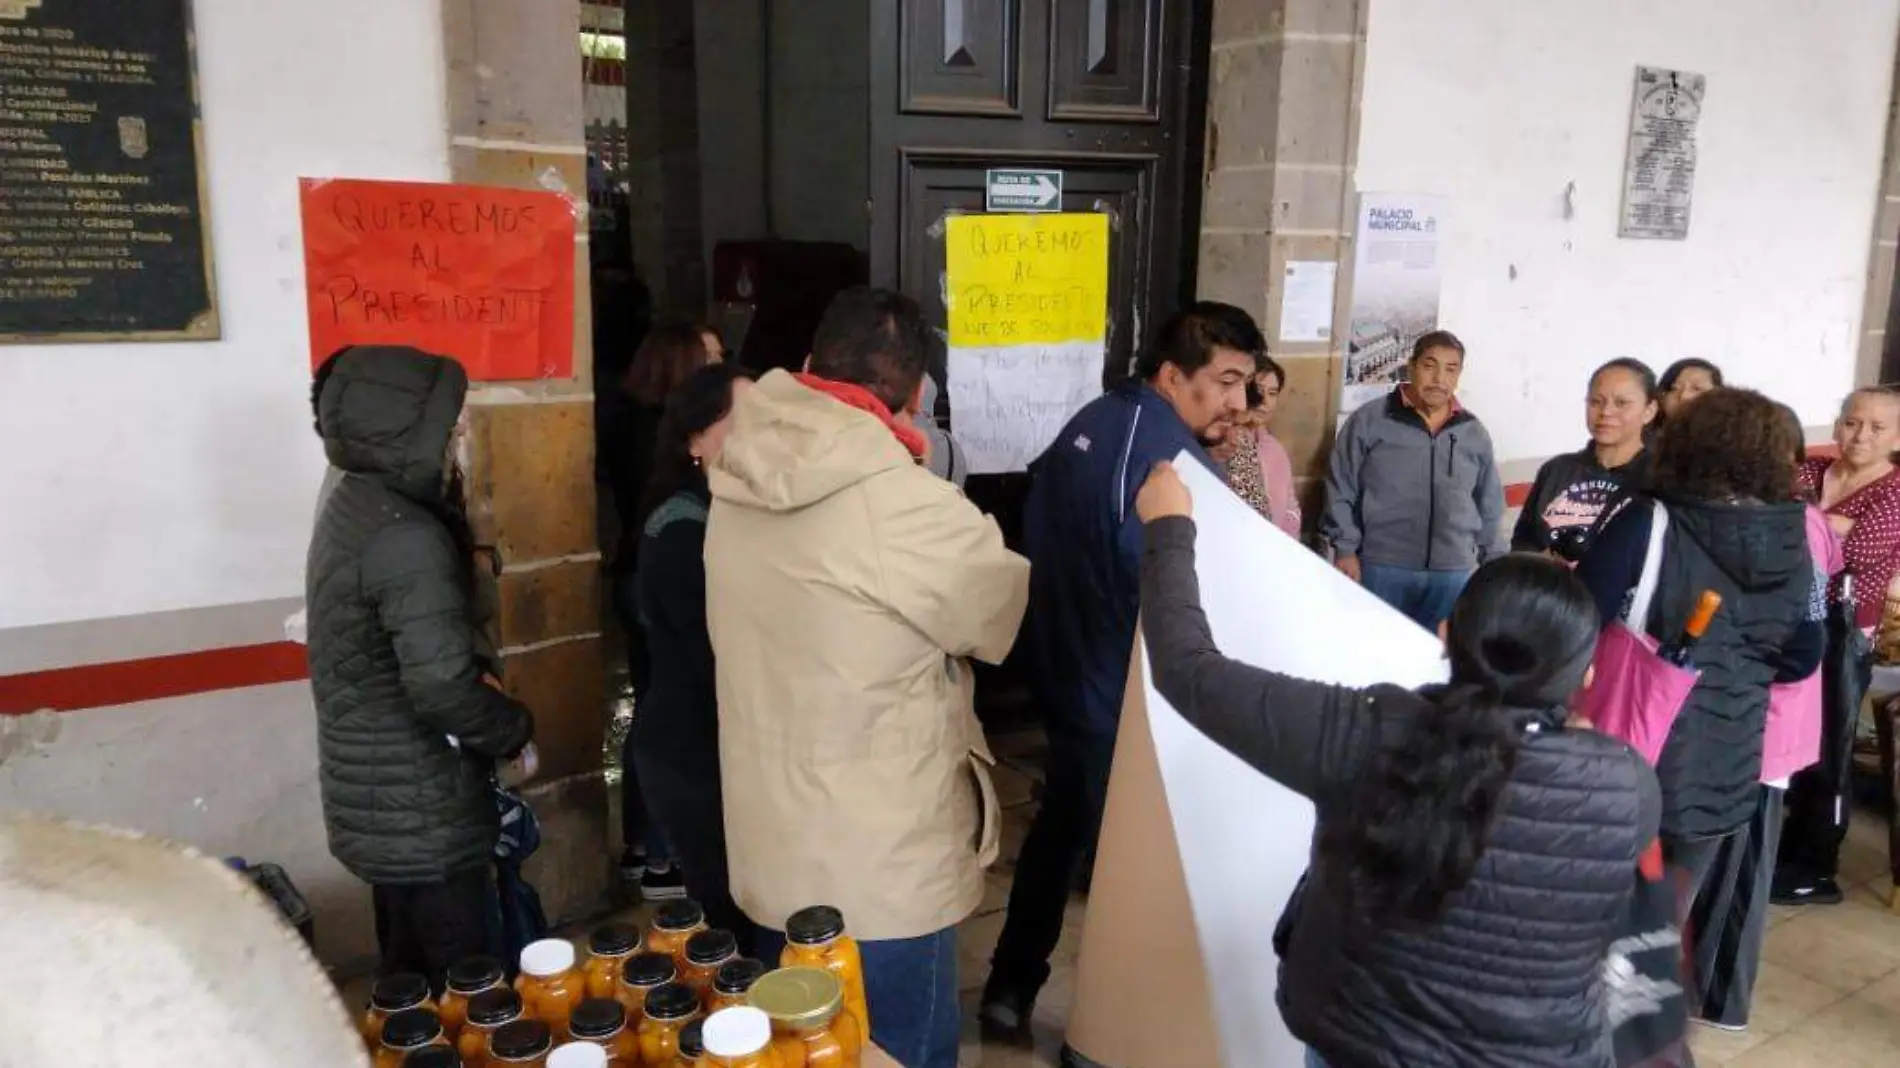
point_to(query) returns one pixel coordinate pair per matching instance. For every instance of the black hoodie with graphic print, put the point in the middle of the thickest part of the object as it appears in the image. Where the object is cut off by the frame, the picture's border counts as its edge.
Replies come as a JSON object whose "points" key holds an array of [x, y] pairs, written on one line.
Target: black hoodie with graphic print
{"points": [[1572, 492]]}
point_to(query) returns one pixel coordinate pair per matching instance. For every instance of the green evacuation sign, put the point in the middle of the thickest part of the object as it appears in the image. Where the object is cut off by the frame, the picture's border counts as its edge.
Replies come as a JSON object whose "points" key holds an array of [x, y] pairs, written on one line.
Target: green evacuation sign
{"points": [[1020, 189]]}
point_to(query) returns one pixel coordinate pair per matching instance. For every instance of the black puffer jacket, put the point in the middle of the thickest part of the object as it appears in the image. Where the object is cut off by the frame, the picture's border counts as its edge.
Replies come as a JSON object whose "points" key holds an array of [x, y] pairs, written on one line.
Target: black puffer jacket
{"points": [[1512, 975], [1767, 630], [392, 648]]}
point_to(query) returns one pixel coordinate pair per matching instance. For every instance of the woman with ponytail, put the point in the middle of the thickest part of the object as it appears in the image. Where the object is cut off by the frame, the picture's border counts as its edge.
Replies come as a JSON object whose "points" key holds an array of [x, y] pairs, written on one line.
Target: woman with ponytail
{"points": [[1476, 852]]}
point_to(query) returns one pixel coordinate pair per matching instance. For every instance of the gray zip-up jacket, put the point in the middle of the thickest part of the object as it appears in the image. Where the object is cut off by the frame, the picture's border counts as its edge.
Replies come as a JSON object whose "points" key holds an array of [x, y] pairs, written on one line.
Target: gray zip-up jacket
{"points": [[1402, 496]]}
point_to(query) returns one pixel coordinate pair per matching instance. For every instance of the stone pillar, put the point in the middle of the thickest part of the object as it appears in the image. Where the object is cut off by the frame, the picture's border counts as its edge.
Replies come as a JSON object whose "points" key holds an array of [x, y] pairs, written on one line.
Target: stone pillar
{"points": [[516, 119], [1282, 140]]}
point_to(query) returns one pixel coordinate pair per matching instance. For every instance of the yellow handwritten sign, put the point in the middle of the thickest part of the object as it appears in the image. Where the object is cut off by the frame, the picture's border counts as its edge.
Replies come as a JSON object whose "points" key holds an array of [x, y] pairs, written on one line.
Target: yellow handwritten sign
{"points": [[1027, 279]]}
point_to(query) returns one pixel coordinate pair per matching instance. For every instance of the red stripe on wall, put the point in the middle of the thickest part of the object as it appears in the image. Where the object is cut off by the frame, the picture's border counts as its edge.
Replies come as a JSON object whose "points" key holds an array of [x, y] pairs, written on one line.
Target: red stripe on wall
{"points": [[132, 681]]}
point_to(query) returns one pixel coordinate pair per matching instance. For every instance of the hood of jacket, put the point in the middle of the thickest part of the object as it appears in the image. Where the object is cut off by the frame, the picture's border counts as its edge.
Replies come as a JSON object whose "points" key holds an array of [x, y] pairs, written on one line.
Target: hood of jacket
{"points": [[388, 412], [790, 446], [1759, 546]]}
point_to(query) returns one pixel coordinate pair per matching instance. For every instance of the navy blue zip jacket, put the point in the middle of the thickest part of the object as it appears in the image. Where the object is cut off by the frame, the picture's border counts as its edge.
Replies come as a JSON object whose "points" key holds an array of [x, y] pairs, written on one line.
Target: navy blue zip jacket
{"points": [[1084, 546]]}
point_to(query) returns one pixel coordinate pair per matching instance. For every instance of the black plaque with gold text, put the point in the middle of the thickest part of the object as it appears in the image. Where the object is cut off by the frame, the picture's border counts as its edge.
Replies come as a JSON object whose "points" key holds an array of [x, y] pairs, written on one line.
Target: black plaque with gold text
{"points": [[104, 234]]}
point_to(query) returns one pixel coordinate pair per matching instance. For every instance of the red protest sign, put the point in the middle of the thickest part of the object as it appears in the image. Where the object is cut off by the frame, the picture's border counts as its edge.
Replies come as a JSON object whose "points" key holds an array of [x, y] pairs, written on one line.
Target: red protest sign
{"points": [[479, 274]]}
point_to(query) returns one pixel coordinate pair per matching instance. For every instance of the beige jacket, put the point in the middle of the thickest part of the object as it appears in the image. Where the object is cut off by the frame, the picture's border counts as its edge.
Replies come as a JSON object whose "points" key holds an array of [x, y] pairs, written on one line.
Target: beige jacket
{"points": [[845, 585]]}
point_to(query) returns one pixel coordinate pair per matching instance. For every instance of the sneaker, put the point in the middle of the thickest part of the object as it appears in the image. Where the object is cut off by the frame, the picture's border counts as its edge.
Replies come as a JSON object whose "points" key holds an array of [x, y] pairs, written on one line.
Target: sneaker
{"points": [[1794, 889], [1004, 1017], [1735, 1029], [663, 882], [633, 866]]}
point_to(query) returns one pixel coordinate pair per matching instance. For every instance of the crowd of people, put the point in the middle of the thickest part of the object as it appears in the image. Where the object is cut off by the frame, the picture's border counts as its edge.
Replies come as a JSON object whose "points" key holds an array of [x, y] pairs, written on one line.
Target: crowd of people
{"points": [[805, 587]]}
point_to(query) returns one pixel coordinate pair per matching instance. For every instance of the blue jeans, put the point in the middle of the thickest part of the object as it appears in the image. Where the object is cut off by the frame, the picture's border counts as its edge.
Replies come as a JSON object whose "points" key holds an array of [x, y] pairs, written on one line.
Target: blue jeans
{"points": [[911, 987], [1425, 597]]}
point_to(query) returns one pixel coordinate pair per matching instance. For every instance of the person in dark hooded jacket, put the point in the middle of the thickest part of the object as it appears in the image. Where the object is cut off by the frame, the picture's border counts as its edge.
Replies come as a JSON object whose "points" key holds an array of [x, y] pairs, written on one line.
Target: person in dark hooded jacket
{"points": [[408, 729], [1475, 853], [1724, 473]]}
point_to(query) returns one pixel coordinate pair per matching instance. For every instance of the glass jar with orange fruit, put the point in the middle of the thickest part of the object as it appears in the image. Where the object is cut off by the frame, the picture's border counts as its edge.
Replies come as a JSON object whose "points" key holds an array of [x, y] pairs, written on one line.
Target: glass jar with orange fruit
{"points": [[668, 1010], [811, 1028], [816, 938], [391, 994], [706, 953], [608, 948], [642, 975], [674, 922], [692, 1045], [467, 978], [550, 985], [488, 1012], [739, 1038], [603, 1022], [404, 1033], [733, 980], [521, 1043]]}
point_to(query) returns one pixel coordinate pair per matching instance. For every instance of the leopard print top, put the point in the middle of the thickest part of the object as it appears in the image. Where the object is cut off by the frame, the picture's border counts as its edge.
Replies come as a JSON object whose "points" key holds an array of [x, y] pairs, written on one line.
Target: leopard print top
{"points": [[1243, 474]]}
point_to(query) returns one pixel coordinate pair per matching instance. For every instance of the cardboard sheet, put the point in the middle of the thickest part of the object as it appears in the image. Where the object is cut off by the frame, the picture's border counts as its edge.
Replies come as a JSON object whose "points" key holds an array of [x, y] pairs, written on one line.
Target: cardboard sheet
{"points": [[1239, 840]]}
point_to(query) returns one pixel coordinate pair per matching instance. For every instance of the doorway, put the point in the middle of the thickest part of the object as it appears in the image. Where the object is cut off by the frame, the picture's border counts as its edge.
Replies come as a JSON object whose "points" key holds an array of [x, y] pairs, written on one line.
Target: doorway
{"points": [[1110, 92], [830, 137]]}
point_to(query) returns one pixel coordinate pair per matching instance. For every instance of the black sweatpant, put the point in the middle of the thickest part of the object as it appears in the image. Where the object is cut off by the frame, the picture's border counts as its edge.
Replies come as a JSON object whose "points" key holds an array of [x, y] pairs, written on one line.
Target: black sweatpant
{"points": [[1061, 839], [1819, 809], [1730, 919], [426, 927], [683, 797]]}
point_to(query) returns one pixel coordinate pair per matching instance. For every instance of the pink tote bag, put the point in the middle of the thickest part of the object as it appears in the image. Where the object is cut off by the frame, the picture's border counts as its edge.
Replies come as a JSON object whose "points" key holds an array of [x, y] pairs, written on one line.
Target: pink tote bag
{"points": [[1793, 737], [1634, 694]]}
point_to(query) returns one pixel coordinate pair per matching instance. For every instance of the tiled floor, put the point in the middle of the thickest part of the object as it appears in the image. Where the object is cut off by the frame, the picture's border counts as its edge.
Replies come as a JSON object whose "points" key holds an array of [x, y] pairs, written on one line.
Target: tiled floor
{"points": [[1828, 994]]}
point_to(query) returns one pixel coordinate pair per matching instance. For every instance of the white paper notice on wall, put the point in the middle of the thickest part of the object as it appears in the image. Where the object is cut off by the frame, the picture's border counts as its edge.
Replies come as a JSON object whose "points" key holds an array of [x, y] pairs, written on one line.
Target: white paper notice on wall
{"points": [[1306, 300], [1010, 401], [1027, 308], [1243, 838]]}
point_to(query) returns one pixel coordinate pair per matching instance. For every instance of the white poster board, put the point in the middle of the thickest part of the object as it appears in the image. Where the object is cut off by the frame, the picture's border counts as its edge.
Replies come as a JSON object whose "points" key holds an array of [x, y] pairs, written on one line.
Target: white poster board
{"points": [[1244, 839], [1395, 289]]}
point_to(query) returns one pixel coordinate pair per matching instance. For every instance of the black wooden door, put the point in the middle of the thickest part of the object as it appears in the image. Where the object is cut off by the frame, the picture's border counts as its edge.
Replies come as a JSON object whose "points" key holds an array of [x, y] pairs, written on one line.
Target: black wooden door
{"points": [[1110, 92]]}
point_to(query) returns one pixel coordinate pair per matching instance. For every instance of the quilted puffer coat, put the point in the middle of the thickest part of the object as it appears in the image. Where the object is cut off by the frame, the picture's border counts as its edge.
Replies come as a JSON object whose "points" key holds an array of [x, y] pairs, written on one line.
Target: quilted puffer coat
{"points": [[392, 646], [1511, 976]]}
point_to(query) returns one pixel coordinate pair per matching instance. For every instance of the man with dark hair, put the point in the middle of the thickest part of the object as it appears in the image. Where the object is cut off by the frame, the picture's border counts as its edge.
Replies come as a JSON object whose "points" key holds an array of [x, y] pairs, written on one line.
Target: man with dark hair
{"points": [[846, 587], [876, 339], [1084, 545], [1414, 541]]}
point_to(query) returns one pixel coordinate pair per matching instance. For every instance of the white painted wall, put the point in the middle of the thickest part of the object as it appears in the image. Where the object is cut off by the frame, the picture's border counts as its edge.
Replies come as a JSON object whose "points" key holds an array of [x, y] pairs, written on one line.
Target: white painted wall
{"points": [[1502, 104], [141, 478], [232, 773]]}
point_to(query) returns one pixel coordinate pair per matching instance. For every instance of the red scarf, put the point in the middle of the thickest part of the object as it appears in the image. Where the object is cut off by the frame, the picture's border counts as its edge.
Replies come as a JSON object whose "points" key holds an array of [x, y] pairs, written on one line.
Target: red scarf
{"points": [[863, 400]]}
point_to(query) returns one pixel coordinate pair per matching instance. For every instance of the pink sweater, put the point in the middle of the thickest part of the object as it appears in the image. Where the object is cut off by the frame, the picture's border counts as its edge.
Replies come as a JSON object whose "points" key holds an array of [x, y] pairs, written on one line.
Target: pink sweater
{"points": [[1276, 470], [1793, 737]]}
